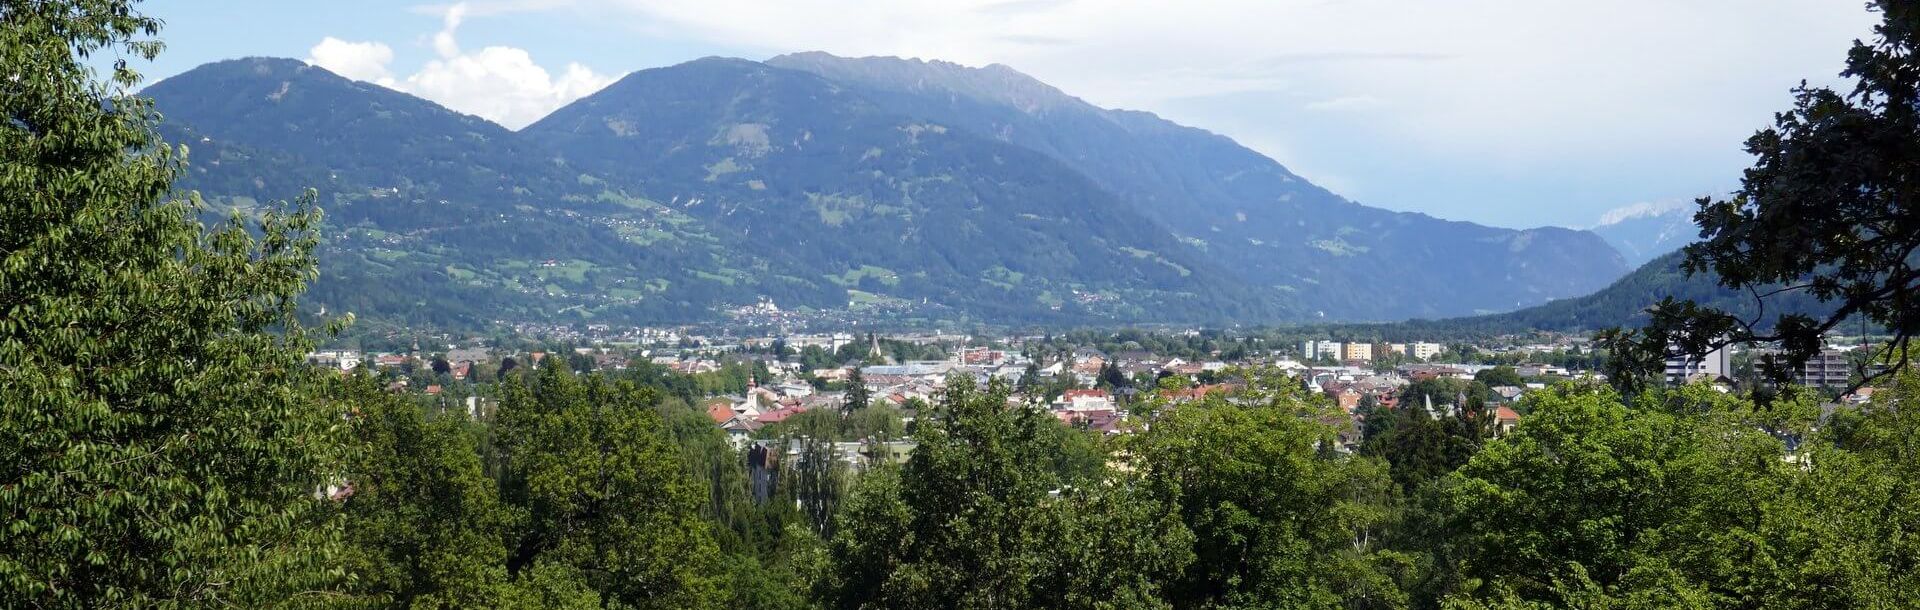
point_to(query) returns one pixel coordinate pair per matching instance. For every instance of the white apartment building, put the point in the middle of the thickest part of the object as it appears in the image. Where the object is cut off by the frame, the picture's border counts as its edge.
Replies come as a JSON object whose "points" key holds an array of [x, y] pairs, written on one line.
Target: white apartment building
{"points": [[1424, 351]]}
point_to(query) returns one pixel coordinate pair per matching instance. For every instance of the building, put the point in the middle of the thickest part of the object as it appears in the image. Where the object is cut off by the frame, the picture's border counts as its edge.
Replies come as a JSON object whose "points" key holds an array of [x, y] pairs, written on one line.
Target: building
{"points": [[1331, 350], [1711, 366], [1424, 351], [1357, 351], [345, 360], [1397, 348], [1831, 368], [1084, 400], [1505, 420]]}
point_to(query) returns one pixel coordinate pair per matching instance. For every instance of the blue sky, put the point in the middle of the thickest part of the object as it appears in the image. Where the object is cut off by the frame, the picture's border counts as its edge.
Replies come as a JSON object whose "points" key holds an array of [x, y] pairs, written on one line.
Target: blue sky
{"points": [[1505, 113]]}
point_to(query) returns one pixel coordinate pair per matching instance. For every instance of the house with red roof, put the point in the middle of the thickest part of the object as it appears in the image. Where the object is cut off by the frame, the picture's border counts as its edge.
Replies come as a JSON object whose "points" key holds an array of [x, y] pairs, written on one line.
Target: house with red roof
{"points": [[1504, 420]]}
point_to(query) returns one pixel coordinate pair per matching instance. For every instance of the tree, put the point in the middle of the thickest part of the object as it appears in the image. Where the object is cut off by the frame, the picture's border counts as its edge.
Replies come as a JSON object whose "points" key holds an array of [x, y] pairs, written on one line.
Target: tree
{"points": [[969, 522], [589, 462], [858, 396], [425, 524], [1112, 378], [1499, 376], [1029, 379], [161, 448], [1830, 209], [1277, 521]]}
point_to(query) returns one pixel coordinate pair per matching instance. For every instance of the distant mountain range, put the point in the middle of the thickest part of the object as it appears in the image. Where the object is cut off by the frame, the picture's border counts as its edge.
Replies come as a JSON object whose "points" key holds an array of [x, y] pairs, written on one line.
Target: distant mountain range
{"points": [[1643, 233], [876, 187], [1624, 303]]}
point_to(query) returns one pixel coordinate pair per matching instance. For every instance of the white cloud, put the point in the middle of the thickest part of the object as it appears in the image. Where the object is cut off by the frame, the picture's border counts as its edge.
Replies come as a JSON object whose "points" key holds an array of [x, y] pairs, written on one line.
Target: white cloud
{"points": [[363, 61], [1487, 77], [502, 84], [498, 83], [1617, 101], [443, 42]]}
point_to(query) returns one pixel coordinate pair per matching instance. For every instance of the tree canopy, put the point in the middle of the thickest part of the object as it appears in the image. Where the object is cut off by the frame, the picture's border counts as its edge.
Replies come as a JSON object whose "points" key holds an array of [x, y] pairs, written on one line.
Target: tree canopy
{"points": [[1830, 209], [159, 448]]}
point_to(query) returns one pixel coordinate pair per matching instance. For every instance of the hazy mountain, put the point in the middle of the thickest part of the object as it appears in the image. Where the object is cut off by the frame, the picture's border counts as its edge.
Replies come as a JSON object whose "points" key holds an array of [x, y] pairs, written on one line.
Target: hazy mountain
{"points": [[1642, 233], [1242, 209]]}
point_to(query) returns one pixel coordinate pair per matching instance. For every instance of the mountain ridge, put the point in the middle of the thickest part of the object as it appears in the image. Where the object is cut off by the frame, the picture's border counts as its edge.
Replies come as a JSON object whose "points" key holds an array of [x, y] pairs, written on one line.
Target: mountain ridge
{"points": [[761, 181], [1210, 189]]}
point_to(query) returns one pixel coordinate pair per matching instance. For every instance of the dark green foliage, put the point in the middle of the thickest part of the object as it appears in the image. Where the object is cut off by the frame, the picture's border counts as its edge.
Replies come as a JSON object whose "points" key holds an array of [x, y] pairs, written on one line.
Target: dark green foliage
{"points": [[1111, 378], [857, 396], [159, 448], [425, 523], [1499, 376], [1418, 447], [589, 461], [1278, 522], [1829, 211], [1683, 500], [969, 522]]}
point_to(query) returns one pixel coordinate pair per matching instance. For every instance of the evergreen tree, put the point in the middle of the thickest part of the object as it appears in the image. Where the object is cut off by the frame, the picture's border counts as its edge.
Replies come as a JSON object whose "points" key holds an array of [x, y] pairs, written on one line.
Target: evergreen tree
{"points": [[1111, 378], [1029, 379], [858, 396], [160, 448]]}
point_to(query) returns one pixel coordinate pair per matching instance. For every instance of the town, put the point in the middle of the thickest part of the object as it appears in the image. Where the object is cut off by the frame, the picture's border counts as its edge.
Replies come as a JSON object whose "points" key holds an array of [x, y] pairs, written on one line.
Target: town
{"points": [[757, 388]]}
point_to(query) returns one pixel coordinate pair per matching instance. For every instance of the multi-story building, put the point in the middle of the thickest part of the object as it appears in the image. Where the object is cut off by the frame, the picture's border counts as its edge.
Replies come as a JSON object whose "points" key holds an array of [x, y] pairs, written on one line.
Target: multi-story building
{"points": [[1712, 365], [1831, 368], [1322, 349], [1357, 351], [1424, 351], [1397, 348]]}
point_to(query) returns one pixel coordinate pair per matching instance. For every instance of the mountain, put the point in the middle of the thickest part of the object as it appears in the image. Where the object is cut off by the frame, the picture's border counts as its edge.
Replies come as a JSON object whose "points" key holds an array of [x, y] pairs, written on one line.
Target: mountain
{"points": [[1240, 208], [826, 203], [870, 190], [793, 166], [1642, 233], [438, 218], [1624, 303]]}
